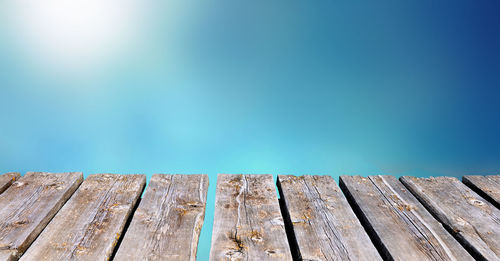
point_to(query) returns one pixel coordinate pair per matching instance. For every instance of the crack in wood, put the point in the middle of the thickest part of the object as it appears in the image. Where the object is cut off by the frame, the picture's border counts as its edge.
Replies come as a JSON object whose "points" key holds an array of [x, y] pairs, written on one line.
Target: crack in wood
{"points": [[90, 224], [167, 223], [335, 239], [400, 226], [86, 235], [473, 221], [427, 239], [324, 225], [247, 223]]}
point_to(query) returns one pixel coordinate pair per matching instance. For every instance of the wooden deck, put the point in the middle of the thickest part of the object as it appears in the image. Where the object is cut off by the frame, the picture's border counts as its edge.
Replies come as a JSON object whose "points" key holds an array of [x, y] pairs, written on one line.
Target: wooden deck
{"points": [[62, 216]]}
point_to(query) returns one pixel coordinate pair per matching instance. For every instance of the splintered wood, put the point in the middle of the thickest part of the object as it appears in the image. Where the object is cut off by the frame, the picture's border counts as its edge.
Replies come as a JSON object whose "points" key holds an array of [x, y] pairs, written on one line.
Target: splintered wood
{"points": [[248, 224], [91, 222], [398, 223], [7, 179], [474, 221], [167, 223], [323, 223], [28, 205]]}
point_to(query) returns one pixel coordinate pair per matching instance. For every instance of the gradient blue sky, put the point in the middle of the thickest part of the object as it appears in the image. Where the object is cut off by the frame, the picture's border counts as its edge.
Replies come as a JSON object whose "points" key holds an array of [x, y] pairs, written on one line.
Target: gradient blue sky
{"points": [[325, 87]]}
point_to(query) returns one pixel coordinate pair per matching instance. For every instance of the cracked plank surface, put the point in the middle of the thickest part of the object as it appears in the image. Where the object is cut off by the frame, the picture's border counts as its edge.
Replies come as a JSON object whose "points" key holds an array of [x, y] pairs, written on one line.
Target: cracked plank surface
{"points": [[400, 226], [474, 221], [248, 224], [167, 223], [91, 222], [7, 179], [324, 224], [28, 205], [486, 186]]}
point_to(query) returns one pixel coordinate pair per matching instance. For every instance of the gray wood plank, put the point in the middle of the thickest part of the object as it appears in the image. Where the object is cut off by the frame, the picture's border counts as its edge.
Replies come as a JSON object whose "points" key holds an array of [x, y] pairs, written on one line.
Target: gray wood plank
{"points": [[248, 224], [91, 222], [167, 223], [7, 179], [474, 221], [28, 205], [401, 227], [487, 187], [324, 224]]}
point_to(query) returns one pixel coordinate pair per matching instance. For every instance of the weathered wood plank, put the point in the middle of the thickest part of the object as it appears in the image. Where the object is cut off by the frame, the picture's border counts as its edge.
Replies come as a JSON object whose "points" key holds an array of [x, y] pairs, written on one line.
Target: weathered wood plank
{"points": [[487, 187], [7, 179], [248, 224], [324, 224], [167, 223], [400, 226], [28, 205], [474, 221], [91, 222]]}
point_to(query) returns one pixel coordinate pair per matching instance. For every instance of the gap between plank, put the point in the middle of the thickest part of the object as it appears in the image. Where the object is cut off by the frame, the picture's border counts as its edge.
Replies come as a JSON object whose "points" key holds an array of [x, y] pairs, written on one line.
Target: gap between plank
{"points": [[455, 235], [290, 233], [127, 224], [480, 192], [62, 205], [377, 242]]}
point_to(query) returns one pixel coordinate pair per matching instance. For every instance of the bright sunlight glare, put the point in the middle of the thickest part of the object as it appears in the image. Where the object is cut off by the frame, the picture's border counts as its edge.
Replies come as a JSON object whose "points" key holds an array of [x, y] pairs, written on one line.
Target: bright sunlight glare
{"points": [[73, 35]]}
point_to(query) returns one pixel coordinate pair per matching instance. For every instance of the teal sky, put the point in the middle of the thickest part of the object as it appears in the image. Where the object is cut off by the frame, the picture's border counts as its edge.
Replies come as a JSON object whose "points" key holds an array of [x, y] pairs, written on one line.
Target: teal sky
{"points": [[325, 87]]}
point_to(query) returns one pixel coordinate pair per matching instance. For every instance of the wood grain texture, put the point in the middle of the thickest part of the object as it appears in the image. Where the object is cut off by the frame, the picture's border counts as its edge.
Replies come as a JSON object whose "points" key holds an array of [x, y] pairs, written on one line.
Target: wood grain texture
{"points": [[248, 224], [324, 224], [487, 187], [28, 205], [401, 227], [474, 221], [7, 179], [91, 222], [167, 223]]}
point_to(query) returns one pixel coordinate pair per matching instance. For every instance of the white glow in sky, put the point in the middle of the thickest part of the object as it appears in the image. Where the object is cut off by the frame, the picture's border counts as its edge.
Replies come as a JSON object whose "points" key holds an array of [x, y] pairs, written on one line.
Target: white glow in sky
{"points": [[73, 35]]}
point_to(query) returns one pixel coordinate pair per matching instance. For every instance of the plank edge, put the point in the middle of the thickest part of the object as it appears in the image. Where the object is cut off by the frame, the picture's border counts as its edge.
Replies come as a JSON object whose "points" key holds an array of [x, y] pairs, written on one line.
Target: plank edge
{"points": [[290, 233], [372, 234], [469, 183]]}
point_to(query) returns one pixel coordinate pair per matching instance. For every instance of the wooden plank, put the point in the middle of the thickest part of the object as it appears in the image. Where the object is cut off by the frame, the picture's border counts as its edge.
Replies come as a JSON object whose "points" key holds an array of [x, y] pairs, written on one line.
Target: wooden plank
{"points": [[400, 226], [487, 187], [248, 224], [324, 225], [28, 205], [91, 222], [7, 179], [473, 221], [167, 223]]}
